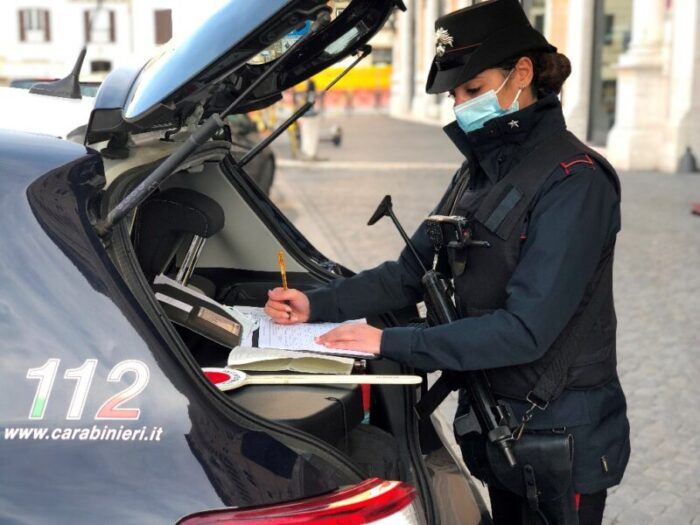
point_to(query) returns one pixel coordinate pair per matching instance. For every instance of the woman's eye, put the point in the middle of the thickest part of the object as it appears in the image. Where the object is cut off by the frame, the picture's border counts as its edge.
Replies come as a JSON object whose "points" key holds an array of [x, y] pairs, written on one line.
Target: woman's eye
{"points": [[473, 91]]}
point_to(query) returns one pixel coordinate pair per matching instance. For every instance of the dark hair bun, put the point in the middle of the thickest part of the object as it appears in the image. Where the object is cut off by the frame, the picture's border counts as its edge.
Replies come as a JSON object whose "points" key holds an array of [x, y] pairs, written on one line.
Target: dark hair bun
{"points": [[551, 70]]}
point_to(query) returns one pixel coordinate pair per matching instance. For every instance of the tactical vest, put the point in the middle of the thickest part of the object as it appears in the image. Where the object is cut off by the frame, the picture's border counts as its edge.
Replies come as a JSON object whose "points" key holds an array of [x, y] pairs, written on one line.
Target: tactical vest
{"points": [[500, 214]]}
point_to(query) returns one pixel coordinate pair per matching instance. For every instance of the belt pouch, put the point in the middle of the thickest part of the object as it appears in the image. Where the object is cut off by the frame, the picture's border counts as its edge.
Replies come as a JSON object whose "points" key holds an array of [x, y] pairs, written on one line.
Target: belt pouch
{"points": [[544, 468]]}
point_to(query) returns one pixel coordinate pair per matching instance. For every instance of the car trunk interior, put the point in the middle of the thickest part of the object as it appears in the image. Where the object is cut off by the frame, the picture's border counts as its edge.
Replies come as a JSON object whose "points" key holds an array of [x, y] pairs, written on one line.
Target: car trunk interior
{"points": [[237, 265]]}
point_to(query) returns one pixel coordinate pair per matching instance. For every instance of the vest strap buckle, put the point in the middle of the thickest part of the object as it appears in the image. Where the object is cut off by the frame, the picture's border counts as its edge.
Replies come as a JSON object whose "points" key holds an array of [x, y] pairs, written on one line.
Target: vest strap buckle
{"points": [[535, 402]]}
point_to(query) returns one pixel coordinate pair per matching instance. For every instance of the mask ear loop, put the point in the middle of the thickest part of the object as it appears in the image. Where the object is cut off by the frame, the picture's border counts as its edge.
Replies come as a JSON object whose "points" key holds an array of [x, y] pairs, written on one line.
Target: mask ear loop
{"points": [[505, 81], [517, 95]]}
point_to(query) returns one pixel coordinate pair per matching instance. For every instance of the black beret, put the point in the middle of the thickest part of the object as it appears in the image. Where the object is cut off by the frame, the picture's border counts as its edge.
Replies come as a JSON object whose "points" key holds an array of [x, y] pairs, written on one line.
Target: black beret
{"points": [[479, 37]]}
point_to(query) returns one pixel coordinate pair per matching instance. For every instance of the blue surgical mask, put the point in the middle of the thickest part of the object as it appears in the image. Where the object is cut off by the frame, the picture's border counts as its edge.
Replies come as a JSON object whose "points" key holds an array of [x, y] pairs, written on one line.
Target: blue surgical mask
{"points": [[473, 114]]}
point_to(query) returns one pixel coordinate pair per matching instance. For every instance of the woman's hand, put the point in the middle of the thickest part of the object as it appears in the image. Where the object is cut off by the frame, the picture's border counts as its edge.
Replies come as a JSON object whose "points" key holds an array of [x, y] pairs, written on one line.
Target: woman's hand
{"points": [[287, 306], [354, 336]]}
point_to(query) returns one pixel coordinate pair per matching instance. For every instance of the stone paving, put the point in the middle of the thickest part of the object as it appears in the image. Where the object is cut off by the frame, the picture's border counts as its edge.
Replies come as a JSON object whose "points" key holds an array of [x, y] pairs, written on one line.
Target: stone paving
{"points": [[657, 286]]}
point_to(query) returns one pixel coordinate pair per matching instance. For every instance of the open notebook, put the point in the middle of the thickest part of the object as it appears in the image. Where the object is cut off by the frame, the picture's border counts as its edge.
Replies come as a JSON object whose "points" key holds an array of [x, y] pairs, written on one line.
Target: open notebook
{"points": [[261, 332], [274, 359]]}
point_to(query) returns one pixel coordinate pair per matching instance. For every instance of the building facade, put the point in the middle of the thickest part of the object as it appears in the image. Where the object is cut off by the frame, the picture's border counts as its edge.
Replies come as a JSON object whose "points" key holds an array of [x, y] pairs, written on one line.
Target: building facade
{"points": [[634, 88], [42, 38], [635, 84]]}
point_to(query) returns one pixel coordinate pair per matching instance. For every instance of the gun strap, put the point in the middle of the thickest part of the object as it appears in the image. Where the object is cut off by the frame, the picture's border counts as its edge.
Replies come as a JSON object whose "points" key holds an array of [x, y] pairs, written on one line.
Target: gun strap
{"points": [[436, 394], [552, 382], [461, 180]]}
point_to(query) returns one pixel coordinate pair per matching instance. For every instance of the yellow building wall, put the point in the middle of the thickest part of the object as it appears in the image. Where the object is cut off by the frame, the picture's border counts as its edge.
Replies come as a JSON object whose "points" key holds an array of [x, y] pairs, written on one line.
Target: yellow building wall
{"points": [[558, 26], [361, 78]]}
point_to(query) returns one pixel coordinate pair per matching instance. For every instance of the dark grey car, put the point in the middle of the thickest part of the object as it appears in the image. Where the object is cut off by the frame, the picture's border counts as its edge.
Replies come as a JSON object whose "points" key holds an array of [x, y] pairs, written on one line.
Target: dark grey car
{"points": [[105, 412]]}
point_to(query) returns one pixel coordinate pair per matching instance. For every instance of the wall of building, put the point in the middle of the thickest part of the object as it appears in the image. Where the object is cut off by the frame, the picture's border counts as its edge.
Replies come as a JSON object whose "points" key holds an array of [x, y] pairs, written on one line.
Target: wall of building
{"points": [[641, 72], [53, 57], [415, 48], [135, 40], [635, 84], [413, 55], [134, 28]]}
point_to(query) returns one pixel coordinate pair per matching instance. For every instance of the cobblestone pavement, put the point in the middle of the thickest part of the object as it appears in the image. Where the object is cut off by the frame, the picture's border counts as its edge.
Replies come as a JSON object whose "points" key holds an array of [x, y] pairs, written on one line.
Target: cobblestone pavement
{"points": [[657, 286]]}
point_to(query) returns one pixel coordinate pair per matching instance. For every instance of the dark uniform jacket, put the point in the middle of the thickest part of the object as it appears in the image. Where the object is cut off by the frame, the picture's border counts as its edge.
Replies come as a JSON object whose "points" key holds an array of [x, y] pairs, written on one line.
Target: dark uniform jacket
{"points": [[574, 219]]}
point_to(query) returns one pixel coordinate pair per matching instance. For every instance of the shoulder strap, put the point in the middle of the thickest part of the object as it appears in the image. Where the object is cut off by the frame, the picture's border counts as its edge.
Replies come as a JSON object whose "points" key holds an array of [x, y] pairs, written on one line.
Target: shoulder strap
{"points": [[502, 208], [552, 382], [460, 182]]}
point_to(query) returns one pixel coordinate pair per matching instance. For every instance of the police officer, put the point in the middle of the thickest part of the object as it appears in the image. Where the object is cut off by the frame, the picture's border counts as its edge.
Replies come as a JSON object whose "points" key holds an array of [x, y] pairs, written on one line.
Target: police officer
{"points": [[549, 208]]}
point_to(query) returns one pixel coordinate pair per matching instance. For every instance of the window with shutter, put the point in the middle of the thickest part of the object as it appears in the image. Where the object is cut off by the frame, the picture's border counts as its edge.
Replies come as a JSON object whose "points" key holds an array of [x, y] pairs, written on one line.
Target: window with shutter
{"points": [[164, 25], [100, 26], [34, 25]]}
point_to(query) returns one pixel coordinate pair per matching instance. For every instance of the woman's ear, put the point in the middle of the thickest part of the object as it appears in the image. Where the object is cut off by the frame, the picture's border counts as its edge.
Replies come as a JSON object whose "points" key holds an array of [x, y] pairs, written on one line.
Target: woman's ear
{"points": [[523, 73]]}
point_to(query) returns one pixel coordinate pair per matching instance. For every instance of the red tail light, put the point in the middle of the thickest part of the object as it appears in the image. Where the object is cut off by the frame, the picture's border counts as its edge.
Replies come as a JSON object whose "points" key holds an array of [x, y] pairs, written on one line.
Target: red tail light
{"points": [[372, 501]]}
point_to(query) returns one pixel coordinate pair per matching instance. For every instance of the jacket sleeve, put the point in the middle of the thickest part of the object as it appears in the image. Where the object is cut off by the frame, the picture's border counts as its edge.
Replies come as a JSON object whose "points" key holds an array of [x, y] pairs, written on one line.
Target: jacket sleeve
{"points": [[389, 286], [572, 222]]}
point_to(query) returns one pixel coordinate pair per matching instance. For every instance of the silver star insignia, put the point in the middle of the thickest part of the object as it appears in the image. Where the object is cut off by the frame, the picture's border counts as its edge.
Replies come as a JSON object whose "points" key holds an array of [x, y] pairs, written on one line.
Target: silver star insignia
{"points": [[443, 39], [514, 124]]}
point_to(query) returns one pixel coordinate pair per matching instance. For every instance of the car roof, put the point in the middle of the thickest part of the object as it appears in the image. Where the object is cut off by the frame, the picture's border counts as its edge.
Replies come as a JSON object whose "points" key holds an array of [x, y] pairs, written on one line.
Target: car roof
{"points": [[21, 110]]}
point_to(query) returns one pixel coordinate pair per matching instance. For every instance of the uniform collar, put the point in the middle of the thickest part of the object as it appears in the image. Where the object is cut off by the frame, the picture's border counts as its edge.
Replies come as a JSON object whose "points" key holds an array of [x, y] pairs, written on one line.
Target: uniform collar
{"points": [[503, 140]]}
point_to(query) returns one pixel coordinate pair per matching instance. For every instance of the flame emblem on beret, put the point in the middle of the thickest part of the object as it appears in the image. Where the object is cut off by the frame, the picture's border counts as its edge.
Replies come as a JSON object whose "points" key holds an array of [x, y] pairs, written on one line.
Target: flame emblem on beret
{"points": [[443, 39]]}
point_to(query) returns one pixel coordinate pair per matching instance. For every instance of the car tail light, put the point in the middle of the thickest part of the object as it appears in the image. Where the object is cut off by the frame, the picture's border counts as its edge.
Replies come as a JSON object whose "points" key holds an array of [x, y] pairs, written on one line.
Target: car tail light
{"points": [[372, 501]]}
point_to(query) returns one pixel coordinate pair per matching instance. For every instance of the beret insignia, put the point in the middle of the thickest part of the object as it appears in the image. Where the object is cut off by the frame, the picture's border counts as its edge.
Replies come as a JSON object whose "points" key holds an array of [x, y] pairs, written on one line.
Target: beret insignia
{"points": [[443, 39]]}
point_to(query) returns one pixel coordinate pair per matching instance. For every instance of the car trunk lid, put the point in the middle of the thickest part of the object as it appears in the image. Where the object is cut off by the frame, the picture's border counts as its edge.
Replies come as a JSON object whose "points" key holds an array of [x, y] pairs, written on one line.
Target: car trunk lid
{"points": [[219, 60]]}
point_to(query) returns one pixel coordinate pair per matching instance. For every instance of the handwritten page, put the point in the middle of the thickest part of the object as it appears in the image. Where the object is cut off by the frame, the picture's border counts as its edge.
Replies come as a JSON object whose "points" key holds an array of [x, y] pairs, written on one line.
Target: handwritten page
{"points": [[274, 359], [298, 337], [249, 319], [253, 312]]}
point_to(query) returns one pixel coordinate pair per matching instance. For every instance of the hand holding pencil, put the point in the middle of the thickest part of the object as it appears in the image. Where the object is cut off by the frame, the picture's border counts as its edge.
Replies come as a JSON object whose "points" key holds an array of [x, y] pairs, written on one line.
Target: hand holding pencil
{"points": [[285, 305]]}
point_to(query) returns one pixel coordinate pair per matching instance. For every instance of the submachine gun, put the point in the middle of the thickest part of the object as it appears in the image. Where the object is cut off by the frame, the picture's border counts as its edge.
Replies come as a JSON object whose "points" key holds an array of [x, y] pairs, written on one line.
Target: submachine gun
{"points": [[453, 233]]}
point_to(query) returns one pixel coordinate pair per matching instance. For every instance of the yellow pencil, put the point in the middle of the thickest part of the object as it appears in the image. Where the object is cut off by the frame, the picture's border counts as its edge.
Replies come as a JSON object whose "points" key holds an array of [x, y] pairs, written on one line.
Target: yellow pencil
{"points": [[283, 268]]}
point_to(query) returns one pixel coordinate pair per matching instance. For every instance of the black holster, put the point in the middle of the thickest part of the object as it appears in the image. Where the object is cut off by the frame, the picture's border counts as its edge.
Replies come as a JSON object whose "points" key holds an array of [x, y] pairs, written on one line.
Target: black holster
{"points": [[544, 469]]}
